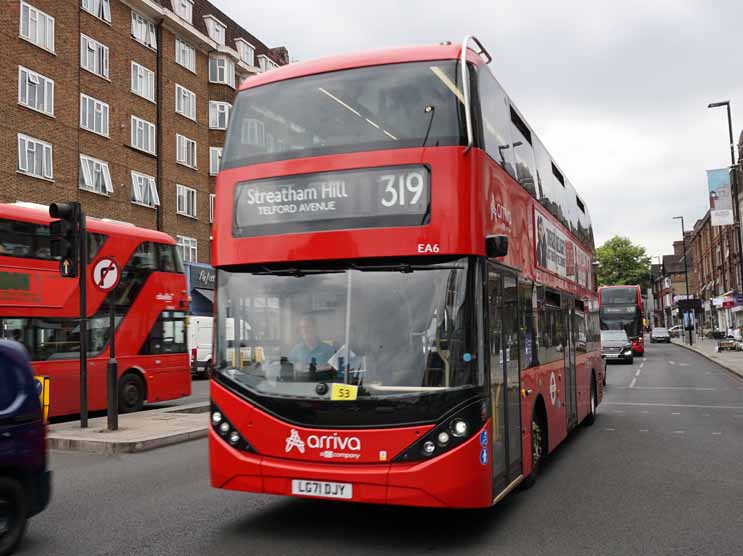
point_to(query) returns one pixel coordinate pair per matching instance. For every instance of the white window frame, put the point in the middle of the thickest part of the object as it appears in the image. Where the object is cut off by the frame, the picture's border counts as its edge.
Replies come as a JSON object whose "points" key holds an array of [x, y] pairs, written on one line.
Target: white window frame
{"points": [[41, 36], [30, 145], [98, 8], [185, 201], [222, 70], [143, 30], [216, 29], [143, 82], [100, 55], [139, 195], [148, 133], [40, 83], [215, 160], [246, 51], [183, 9], [190, 245], [98, 107], [265, 63], [95, 175], [183, 149], [219, 111], [185, 102], [212, 200], [185, 54]]}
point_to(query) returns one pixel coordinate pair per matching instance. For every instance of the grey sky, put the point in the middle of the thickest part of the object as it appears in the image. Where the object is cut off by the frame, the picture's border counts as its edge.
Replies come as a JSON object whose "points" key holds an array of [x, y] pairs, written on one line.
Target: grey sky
{"points": [[617, 91]]}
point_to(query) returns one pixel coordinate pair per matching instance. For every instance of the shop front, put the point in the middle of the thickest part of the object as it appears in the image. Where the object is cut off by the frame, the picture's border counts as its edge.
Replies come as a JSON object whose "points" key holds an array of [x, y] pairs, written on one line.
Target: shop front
{"points": [[201, 279]]}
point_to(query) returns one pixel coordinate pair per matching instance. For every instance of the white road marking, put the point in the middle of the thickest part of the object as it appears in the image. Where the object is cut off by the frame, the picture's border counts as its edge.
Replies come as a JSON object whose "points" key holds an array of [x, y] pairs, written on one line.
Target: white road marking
{"points": [[619, 411], [638, 372], [683, 364], [717, 433], [632, 384], [643, 430], [705, 414], [644, 404], [609, 429], [644, 411], [671, 362], [675, 414], [679, 432], [669, 388]]}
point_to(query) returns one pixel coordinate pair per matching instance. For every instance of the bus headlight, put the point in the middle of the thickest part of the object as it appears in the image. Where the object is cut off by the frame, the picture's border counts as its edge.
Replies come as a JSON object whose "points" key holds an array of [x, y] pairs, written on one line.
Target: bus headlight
{"points": [[222, 425], [216, 418], [428, 448], [443, 438], [459, 427], [224, 428]]}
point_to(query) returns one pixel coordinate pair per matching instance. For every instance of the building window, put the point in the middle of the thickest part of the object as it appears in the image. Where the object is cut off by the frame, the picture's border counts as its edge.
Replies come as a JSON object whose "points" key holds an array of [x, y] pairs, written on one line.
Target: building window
{"points": [[143, 135], [185, 54], [93, 56], [185, 102], [37, 27], [215, 29], [185, 201], [99, 8], [265, 63], [144, 191], [143, 82], [143, 30], [219, 114], [35, 91], [246, 51], [187, 246], [185, 151], [93, 115], [215, 159], [95, 175], [222, 70], [184, 9], [35, 157], [212, 198]]}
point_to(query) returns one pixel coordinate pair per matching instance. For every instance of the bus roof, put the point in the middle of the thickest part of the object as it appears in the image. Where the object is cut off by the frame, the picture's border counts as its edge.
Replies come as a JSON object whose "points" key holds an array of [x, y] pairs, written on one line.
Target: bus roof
{"points": [[444, 51], [40, 215]]}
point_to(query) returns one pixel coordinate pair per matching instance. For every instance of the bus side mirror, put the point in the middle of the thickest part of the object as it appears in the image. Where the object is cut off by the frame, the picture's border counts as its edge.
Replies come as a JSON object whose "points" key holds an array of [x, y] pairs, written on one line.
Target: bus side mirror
{"points": [[496, 246]]}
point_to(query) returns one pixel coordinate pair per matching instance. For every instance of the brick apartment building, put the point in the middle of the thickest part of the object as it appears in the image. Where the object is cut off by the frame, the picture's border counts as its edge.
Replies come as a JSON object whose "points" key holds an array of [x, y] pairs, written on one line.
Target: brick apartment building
{"points": [[122, 105]]}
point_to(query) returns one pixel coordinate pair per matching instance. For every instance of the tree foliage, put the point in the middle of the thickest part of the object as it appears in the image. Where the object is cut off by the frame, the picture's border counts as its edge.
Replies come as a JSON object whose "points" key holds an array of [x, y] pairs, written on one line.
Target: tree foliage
{"points": [[622, 262]]}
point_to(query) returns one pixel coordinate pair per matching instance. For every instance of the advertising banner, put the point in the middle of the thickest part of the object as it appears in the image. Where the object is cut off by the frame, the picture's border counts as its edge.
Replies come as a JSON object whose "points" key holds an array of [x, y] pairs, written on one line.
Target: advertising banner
{"points": [[558, 254], [720, 198]]}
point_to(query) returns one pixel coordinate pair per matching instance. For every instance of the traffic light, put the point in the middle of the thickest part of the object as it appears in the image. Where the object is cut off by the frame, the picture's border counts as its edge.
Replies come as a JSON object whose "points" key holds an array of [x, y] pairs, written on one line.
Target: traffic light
{"points": [[64, 236]]}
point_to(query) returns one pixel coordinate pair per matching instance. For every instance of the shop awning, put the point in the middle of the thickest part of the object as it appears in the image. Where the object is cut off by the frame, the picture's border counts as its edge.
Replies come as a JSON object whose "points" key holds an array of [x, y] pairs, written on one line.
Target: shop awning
{"points": [[208, 294]]}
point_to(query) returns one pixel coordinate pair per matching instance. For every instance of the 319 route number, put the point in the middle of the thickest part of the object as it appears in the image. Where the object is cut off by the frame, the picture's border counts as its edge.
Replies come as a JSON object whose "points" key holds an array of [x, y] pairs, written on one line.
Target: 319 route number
{"points": [[402, 189]]}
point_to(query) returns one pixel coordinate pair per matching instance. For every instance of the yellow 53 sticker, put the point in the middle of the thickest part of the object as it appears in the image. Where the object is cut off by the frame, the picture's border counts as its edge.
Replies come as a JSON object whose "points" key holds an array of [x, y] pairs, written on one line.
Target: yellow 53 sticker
{"points": [[343, 392]]}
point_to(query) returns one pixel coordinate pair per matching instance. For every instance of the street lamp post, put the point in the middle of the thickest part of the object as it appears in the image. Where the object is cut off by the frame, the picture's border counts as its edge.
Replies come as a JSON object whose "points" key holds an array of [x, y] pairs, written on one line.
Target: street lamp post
{"points": [[686, 274], [734, 187]]}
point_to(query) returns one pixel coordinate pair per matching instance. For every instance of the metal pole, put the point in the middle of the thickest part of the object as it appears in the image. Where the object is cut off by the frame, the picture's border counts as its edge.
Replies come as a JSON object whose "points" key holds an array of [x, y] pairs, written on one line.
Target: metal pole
{"points": [[83, 278], [686, 275], [112, 370]]}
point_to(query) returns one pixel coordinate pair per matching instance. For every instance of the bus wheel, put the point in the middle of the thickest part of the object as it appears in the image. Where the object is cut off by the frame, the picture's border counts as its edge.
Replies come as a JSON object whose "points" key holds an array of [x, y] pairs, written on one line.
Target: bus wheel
{"points": [[591, 417], [131, 393], [538, 448], [13, 514]]}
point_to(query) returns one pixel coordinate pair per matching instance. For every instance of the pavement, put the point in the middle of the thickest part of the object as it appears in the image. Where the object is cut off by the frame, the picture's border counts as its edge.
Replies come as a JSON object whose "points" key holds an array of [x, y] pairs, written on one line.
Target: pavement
{"points": [[659, 473], [137, 432], [730, 360]]}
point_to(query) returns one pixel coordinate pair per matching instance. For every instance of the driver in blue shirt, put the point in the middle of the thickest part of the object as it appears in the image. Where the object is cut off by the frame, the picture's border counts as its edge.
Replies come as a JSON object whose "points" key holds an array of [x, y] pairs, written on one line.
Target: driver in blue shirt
{"points": [[310, 349]]}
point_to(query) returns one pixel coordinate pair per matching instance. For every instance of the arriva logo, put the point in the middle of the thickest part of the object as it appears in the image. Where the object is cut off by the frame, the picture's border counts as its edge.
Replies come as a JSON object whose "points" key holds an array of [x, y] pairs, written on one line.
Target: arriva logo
{"points": [[325, 442]]}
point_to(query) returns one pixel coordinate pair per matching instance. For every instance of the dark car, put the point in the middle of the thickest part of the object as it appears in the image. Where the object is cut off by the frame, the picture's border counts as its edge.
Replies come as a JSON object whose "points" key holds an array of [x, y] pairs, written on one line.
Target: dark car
{"points": [[660, 335], [616, 346], [24, 478]]}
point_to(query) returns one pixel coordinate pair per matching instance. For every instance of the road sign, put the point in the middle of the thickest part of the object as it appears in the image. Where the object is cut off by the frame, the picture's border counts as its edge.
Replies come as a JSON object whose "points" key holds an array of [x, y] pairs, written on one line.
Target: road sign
{"points": [[106, 274], [67, 268]]}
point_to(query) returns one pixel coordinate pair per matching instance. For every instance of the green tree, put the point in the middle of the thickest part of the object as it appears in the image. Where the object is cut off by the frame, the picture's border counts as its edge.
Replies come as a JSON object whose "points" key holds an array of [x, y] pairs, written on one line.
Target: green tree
{"points": [[622, 262]]}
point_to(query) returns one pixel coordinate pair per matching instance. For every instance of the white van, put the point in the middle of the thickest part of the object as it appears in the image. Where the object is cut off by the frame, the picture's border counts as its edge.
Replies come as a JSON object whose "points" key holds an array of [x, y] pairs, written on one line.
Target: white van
{"points": [[200, 344]]}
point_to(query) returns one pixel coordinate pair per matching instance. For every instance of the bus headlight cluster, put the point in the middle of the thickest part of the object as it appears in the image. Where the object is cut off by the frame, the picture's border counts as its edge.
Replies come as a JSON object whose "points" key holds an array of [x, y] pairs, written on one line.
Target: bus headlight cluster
{"points": [[448, 434], [228, 431]]}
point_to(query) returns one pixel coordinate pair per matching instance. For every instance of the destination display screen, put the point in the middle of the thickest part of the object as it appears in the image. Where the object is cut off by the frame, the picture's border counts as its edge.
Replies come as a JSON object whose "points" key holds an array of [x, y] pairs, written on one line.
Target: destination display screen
{"points": [[369, 198]]}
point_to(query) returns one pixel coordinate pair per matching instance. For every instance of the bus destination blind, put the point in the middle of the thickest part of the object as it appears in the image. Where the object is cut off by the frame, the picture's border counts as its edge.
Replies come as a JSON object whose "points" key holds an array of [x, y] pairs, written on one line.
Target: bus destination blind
{"points": [[369, 198]]}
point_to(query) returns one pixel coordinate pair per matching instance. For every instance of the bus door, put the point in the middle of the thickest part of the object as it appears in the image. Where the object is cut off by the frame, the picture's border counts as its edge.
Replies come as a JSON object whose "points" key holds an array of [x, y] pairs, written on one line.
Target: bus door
{"points": [[568, 311], [503, 318]]}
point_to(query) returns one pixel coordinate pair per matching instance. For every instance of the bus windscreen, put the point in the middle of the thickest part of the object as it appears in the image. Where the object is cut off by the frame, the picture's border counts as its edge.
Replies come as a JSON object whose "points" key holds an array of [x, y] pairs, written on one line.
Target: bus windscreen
{"points": [[379, 107]]}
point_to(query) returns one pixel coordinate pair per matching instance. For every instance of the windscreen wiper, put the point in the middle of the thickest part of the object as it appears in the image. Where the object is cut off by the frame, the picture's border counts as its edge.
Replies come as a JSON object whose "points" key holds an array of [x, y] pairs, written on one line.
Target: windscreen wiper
{"points": [[297, 272], [403, 267]]}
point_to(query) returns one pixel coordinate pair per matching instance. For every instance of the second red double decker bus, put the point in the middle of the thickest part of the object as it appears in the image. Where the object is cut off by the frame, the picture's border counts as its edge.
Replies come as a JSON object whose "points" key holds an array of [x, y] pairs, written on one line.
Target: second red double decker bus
{"points": [[404, 308], [620, 308]]}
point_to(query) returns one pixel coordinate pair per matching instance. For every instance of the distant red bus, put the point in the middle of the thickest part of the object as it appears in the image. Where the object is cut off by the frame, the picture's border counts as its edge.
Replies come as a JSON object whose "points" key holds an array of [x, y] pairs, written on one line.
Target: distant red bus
{"points": [[404, 302], [621, 309], [41, 309]]}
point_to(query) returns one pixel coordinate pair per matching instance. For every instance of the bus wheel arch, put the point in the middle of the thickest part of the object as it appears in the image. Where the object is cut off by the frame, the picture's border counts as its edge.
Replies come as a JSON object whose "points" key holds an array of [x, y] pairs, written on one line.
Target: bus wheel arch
{"points": [[593, 403], [539, 439], [132, 390]]}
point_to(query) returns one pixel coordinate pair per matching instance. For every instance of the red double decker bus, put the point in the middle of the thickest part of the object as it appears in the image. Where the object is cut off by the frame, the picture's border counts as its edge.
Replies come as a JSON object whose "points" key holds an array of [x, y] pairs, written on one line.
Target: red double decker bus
{"points": [[620, 308], [41, 309], [404, 306]]}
